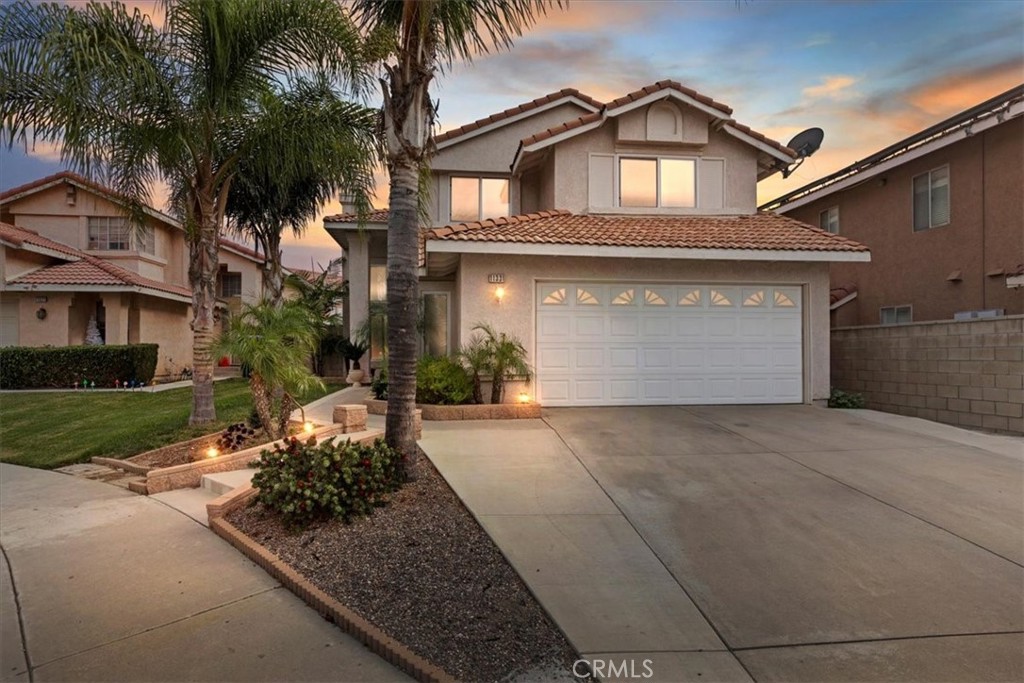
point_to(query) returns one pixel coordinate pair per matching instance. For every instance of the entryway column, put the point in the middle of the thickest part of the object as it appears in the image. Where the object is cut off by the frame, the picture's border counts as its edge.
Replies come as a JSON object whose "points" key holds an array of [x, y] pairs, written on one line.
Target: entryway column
{"points": [[116, 309], [357, 265]]}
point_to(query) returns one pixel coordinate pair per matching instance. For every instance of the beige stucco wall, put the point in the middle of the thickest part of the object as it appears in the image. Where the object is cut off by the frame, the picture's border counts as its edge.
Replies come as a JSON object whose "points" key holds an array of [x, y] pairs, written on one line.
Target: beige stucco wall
{"points": [[53, 331], [572, 167], [252, 281], [166, 323], [516, 313], [16, 262]]}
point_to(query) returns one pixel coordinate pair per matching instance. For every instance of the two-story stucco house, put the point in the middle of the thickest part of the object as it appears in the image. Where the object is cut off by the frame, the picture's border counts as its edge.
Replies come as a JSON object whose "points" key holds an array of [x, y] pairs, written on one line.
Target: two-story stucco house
{"points": [[67, 256], [622, 244], [943, 214]]}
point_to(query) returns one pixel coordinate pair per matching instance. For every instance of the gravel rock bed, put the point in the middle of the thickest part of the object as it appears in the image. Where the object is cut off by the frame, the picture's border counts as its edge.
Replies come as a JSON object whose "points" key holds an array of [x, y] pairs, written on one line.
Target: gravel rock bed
{"points": [[426, 573]]}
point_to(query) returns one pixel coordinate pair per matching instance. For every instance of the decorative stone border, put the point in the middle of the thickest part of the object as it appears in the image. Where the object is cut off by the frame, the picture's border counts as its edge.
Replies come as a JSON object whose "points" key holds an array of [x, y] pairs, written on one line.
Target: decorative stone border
{"points": [[348, 621], [487, 411], [188, 475]]}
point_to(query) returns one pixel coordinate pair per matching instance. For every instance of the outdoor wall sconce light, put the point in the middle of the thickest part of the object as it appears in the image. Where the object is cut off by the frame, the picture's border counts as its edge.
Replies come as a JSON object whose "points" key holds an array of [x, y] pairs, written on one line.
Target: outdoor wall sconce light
{"points": [[41, 313], [499, 294]]}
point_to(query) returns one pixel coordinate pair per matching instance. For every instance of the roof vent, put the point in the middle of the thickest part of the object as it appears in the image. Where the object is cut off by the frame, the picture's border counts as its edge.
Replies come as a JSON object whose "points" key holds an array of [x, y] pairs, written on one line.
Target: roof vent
{"points": [[71, 194]]}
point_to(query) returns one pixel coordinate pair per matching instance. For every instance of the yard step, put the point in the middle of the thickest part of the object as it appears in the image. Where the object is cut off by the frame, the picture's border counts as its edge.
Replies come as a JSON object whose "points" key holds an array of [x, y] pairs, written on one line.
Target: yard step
{"points": [[191, 502], [220, 483], [91, 471]]}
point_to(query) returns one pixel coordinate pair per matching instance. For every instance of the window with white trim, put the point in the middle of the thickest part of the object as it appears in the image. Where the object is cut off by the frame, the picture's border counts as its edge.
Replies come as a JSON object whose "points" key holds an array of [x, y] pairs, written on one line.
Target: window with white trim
{"points": [[114, 233], [474, 199], [896, 315], [828, 220], [657, 182], [109, 233], [931, 199]]}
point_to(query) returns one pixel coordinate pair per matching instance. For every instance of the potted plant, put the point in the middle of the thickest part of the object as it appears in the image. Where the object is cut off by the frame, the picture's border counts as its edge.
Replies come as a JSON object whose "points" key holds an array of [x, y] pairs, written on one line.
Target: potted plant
{"points": [[354, 350]]}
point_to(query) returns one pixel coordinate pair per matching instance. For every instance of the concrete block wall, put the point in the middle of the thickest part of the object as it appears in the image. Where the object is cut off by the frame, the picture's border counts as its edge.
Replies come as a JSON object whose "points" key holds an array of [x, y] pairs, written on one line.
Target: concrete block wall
{"points": [[966, 373]]}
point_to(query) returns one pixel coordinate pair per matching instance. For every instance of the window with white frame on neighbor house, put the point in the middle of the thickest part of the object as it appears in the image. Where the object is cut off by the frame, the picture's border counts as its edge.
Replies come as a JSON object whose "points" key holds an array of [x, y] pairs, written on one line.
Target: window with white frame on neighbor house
{"points": [[474, 199], [661, 182], [896, 315], [931, 199], [828, 220], [114, 233]]}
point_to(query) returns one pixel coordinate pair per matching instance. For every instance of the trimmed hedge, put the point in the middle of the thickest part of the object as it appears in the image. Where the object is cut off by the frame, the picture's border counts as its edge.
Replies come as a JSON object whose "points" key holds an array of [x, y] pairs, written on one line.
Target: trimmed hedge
{"points": [[25, 367]]}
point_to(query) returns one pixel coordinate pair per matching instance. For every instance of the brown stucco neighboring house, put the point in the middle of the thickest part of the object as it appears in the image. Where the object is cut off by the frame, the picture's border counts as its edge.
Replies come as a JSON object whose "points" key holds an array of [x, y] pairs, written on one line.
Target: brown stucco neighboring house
{"points": [[67, 257], [621, 242], [943, 214]]}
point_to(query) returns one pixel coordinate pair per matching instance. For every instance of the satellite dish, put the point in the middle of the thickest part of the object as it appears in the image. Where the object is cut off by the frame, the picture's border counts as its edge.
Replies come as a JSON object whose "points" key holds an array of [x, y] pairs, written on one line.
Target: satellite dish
{"points": [[804, 144]]}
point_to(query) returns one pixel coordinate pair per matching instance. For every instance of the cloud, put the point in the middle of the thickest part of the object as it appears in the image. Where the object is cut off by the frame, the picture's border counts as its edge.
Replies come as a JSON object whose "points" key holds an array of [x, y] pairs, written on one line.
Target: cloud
{"points": [[818, 39], [950, 93], [832, 87]]}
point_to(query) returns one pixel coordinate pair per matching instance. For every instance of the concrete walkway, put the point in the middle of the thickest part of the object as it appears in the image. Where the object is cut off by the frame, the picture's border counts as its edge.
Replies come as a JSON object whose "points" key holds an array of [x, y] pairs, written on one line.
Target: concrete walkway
{"points": [[98, 584], [321, 411], [784, 543]]}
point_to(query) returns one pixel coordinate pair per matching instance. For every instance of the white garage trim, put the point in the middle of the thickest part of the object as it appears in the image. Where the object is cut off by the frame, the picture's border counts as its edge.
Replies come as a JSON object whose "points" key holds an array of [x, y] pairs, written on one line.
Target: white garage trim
{"points": [[637, 343]]}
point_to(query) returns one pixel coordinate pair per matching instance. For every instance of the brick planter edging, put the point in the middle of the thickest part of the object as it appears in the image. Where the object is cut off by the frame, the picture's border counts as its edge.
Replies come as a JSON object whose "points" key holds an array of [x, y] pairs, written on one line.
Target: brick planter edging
{"points": [[348, 621], [483, 411]]}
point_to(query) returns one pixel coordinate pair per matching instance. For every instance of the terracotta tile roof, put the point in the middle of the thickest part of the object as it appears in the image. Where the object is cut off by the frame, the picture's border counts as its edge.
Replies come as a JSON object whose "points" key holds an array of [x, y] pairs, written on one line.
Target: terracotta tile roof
{"points": [[839, 293], [241, 248], [81, 180], [763, 138], [562, 127], [19, 236], [643, 92], [84, 269], [90, 270], [668, 85], [763, 231], [375, 216], [519, 109]]}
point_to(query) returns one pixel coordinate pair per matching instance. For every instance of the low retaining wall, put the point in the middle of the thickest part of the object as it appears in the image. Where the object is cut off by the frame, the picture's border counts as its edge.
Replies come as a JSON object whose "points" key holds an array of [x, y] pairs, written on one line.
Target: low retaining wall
{"points": [[498, 411], [189, 475], [967, 373]]}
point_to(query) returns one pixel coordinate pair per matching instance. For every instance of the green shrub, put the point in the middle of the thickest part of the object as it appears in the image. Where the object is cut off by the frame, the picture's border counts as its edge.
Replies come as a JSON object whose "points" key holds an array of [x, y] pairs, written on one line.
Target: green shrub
{"points": [[379, 383], [24, 367], [305, 481], [845, 399], [441, 380]]}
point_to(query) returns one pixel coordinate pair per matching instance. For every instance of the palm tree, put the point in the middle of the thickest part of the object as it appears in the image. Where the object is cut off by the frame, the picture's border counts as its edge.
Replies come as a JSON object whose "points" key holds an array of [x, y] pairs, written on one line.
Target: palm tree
{"points": [[214, 88], [427, 35], [275, 342], [321, 294], [505, 359], [475, 357], [261, 205]]}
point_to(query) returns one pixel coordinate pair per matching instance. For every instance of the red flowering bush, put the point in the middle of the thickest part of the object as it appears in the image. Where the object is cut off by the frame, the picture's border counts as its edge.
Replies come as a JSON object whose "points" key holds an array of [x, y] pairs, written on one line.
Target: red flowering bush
{"points": [[304, 481]]}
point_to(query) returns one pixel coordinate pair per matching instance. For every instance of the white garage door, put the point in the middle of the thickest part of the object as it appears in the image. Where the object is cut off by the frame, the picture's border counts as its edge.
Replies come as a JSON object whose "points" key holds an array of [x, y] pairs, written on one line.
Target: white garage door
{"points": [[646, 344]]}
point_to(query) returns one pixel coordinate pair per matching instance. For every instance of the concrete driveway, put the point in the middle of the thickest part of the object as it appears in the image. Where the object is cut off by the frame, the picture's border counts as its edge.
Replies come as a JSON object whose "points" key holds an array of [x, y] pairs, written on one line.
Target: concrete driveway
{"points": [[816, 545]]}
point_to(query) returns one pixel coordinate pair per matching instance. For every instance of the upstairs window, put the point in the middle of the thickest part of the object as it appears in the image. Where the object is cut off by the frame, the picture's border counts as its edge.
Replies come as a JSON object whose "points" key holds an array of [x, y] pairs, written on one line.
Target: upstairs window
{"points": [[474, 199], [114, 233], [828, 220], [931, 199], [230, 284], [896, 315], [652, 183], [109, 233]]}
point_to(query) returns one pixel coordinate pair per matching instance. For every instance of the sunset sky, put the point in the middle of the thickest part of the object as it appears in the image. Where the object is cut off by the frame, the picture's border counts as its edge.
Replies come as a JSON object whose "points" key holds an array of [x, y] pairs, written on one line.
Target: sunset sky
{"points": [[868, 73]]}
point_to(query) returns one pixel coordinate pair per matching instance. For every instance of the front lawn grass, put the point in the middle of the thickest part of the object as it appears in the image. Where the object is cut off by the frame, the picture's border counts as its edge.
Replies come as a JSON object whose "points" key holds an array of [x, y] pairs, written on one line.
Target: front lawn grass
{"points": [[49, 430]]}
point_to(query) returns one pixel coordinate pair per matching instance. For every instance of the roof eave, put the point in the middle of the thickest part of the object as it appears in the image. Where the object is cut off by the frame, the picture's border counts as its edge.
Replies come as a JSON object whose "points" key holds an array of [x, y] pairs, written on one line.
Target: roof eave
{"points": [[149, 291], [463, 246]]}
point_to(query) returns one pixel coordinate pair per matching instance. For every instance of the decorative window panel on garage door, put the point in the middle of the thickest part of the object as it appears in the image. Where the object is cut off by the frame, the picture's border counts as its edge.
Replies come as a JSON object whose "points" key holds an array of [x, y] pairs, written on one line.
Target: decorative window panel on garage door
{"points": [[650, 343]]}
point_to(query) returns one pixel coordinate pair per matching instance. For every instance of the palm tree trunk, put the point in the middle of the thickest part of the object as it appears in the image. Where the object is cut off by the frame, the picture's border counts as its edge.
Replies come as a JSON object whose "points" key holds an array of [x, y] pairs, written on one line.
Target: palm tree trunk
{"points": [[273, 272], [287, 405], [202, 274], [497, 388], [403, 305], [261, 400], [478, 391]]}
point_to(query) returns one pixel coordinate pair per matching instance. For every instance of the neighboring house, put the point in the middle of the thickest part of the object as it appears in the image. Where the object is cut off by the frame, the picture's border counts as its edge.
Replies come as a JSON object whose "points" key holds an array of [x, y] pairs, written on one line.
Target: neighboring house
{"points": [[943, 214], [68, 256], [622, 244]]}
